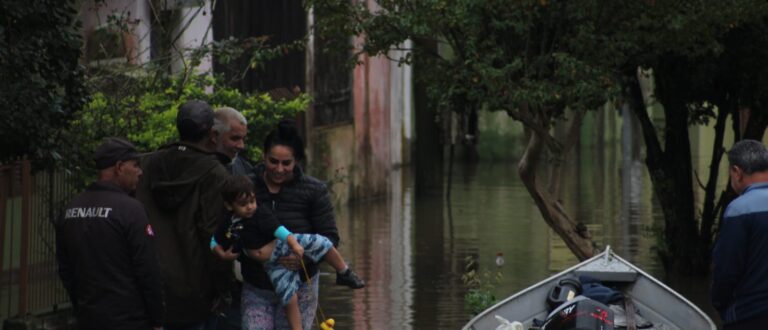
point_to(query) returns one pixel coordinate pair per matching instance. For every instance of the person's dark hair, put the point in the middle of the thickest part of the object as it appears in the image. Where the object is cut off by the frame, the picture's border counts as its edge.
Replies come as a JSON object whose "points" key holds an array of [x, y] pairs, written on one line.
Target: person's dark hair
{"points": [[194, 120], [749, 155], [286, 134], [237, 187]]}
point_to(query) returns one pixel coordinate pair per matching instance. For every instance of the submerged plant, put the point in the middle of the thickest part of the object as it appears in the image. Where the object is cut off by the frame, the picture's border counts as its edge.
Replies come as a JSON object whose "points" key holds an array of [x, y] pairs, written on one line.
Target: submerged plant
{"points": [[480, 285]]}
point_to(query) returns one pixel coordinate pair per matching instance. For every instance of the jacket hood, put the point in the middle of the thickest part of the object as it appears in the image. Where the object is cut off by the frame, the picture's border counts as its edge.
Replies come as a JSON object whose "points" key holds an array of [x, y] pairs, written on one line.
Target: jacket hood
{"points": [[175, 170]]}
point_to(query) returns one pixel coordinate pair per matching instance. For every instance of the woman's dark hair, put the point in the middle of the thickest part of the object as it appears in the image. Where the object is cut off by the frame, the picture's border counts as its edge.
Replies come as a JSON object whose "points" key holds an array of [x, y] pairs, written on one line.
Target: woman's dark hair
{"points": [[236, 187], [286, 134]]}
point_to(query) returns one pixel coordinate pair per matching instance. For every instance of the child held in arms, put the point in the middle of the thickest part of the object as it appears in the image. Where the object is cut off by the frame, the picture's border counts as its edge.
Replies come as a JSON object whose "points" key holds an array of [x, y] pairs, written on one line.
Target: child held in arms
{"points": [[257, 232]]}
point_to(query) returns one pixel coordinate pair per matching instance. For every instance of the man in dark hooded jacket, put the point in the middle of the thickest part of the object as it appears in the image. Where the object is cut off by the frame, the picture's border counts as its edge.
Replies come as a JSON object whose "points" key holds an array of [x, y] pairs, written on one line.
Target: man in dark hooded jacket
{"points": [[180, 189]]}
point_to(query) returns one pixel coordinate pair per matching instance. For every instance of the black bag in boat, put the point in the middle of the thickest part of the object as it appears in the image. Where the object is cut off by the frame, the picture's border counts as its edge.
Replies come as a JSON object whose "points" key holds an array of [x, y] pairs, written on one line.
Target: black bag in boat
{"points": [[581, 313], [565, 290]]}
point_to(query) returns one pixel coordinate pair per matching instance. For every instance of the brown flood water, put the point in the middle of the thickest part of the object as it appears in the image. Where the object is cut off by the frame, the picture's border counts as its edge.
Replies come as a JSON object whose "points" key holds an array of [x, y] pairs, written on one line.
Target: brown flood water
{"points": [[411, 249]]}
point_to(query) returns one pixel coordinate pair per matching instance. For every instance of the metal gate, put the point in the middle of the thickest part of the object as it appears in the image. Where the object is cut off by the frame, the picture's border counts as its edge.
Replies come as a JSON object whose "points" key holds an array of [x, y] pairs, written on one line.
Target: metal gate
{"points": [[29, 282], [282, 22]]}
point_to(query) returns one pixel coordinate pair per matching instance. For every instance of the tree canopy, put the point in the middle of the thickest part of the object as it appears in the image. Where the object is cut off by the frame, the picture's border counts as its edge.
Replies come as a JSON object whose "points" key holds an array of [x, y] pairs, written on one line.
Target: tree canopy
{"points": [[546, 62], [42, 79]]}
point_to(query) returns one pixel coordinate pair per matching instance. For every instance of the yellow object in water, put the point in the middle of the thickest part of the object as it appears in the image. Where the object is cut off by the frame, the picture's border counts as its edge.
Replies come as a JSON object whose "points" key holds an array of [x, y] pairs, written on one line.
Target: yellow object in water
{"points": [[328, 324]]}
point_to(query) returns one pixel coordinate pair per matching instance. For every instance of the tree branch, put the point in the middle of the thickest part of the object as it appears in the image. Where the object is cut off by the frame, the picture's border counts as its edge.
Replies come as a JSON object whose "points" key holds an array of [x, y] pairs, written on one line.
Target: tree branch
{"points": [[635, 100], [571, 138], [528, 121], [709, 210], [573, 234]]}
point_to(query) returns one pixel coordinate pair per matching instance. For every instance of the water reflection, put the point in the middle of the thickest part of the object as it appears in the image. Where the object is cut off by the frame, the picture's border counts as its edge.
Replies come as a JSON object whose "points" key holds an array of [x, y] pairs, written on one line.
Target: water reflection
{"points": [[411, 250]]}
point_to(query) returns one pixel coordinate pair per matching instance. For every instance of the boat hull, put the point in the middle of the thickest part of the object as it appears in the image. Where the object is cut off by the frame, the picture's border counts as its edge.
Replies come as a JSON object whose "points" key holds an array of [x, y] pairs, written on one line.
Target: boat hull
{"points": [[654, 301]]}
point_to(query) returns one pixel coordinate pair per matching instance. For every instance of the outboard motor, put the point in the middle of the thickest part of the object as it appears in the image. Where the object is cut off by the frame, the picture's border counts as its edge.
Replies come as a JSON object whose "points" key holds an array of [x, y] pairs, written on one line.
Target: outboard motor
{"points": [[565, 290], [581, 313]]}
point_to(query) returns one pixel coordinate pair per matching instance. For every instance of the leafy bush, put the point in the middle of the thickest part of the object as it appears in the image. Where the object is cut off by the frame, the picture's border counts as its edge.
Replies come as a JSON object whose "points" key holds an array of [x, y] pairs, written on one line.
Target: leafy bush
{"points": [[480, 286], [143, 109]]}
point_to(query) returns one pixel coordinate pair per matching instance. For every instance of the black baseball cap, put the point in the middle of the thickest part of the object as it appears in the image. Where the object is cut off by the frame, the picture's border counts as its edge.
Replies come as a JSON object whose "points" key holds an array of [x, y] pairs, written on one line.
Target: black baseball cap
{"points": [[194, 120], [114, 149]]}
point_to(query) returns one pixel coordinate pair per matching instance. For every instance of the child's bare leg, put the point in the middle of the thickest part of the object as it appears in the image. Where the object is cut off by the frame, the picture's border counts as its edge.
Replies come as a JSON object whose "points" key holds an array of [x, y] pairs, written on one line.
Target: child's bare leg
{"points": [[333, 258], [293, 314]]}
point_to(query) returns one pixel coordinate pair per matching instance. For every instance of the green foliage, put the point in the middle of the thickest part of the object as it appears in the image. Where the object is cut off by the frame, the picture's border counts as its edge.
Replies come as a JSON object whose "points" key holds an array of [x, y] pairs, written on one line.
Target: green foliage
{"points": [[140, 102], [537, 54], [493, 54], [146, 113], [480, 287], [534, 59], [42, 82]]}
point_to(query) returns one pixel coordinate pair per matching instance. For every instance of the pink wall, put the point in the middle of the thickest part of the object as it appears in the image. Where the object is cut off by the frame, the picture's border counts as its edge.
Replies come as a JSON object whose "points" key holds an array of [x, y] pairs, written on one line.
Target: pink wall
{"points": [[370, 99], [361, 154]]}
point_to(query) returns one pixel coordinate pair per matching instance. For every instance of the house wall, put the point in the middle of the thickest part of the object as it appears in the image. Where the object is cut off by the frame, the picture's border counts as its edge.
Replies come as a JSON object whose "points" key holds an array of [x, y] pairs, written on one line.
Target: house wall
{"points": [[401, 108], [135, 12], [195, 22], [357, 157], [192, 30], [333, 151], [371, 106]]}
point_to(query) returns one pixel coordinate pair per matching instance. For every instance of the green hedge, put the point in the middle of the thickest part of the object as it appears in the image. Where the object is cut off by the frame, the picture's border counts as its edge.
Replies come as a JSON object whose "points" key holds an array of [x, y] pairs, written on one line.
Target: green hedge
{"points": [[143, 109]]}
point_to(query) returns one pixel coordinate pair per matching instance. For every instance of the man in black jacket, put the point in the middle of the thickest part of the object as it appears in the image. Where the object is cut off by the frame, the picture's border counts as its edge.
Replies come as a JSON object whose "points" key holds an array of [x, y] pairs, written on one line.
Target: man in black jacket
{"points": [[181, 190], [104, 246]]}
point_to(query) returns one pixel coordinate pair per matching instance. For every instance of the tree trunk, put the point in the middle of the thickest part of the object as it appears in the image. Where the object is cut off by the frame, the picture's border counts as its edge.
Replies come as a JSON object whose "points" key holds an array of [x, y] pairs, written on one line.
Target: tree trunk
{"points": [[428, 148], [573, 234], [675, 191], [756, 124], [710, 210], [670, 170], [571, 139]]}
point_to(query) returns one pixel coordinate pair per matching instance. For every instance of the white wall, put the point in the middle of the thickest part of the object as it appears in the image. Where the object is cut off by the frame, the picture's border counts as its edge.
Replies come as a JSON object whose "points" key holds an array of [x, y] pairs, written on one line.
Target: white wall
{"points": [[193, 30], [136, 13], [196, 22], [401, 98]]}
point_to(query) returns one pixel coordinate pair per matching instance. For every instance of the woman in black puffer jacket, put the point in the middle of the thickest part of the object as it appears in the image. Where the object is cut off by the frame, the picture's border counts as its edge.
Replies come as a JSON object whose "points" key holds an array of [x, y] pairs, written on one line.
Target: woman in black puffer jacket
{"points": [[303, 205]]}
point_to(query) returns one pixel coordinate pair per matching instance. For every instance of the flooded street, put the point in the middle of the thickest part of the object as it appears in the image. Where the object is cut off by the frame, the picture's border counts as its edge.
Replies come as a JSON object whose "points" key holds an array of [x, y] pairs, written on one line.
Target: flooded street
{"points": [[412, 250]]}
